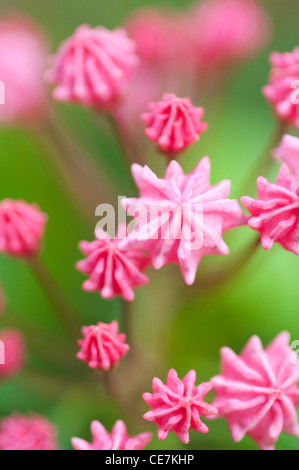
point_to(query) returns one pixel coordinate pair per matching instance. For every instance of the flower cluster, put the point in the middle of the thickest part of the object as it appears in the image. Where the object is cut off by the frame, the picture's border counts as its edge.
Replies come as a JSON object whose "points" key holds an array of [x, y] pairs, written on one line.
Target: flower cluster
{"points": [[177, 218]]}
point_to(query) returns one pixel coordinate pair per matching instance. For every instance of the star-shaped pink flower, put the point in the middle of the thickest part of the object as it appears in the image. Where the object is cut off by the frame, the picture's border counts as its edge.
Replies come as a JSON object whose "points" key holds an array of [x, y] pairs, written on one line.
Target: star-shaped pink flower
{"points": [[178, 405], [114, 266], [257, 391], [102, 346], [275, 214], [182, 216], [117, 440]]}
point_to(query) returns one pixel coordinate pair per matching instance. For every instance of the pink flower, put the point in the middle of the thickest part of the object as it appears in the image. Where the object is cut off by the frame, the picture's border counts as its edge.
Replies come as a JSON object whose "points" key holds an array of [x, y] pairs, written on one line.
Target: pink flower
{"points": [[117, 440], [226, 31], [275, 214], [166, 59], [22, 57], [22, 227], [281, 89], [173, 123], [178, 405], [102, 346], [14, 351], [257, 391], [27, 432], [182, 217], [114, 265], [93, 67], [288, 152], [160, 35]]}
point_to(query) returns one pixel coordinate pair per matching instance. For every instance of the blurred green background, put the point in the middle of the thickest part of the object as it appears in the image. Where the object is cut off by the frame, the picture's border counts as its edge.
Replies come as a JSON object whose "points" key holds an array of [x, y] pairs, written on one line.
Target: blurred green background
{"points": [[188, 326]]}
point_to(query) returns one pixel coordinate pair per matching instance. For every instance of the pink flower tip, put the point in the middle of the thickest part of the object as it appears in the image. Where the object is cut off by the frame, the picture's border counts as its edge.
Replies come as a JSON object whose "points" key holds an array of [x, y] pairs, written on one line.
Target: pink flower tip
{"points": [[12, 352], [22, 227], [173, 123], [288, 152], [282, 88], [93, 67], [23, 50], [117, 440], [178, 405], [114, 266], [27, 432], [102, 346], [257, 391], [275, 214]]}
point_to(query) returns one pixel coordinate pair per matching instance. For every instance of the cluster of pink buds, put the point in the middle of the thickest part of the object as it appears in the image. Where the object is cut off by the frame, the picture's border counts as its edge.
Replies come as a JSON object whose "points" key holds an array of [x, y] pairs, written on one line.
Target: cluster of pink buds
{"points": [[146, 73]]}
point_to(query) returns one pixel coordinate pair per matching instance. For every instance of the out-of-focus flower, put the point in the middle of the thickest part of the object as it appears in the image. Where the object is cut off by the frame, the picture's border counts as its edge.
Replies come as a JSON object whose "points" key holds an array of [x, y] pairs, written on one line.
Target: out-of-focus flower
{"points": [[281, 89], [114, 266], [117, 440], [102, 346], [22, 227], [275, 214], [181, 216], [93, 67], [14, 352], [174, 123], [167, 62], [22, 60], [27, 432], [160, 35], [257, 391], [178, 405], [227, 31], [288, 152]]}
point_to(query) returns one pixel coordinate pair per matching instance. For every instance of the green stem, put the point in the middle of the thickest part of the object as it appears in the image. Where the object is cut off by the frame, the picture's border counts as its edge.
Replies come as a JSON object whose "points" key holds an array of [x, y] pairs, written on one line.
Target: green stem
{"points": [[127, 143], [79, 178], [64, 312], [127, 316], [218, 279], [264, 164], [50, 347]]}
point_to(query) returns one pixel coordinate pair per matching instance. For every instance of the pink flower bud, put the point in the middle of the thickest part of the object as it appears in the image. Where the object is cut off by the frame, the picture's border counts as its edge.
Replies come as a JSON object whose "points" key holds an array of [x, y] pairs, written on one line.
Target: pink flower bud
{"points": [[275, 214], [27, 432], [22, 60], [22, 227], [117, 440], [226, 31], [93, 67], [14, 350], [114, 265], [178, 405], [282, 88], [102, 346], [174, 123]]}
